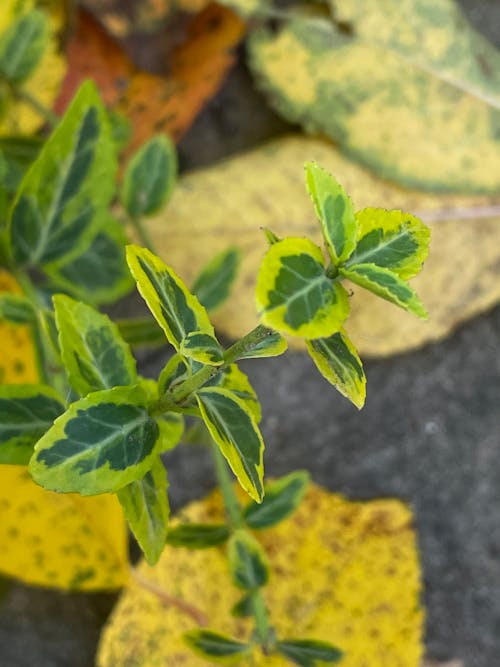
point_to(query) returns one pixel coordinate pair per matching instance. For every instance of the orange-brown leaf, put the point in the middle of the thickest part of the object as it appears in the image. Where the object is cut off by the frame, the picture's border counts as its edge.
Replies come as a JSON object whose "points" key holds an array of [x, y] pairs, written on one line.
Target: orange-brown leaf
{"points": [[92, 53], [199, 66]]}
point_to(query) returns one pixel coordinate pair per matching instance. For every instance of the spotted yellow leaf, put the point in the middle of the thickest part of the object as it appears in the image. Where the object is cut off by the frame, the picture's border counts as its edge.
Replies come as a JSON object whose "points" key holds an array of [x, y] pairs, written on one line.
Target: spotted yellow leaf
{"points": [[356, 585], [411, 90], [18, 363], [60, 540], [271, 194], [52, 539]]}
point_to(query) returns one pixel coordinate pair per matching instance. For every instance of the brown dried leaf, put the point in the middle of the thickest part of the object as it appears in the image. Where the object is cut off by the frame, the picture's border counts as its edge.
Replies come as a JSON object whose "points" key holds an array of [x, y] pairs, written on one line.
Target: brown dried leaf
{"points": [[199, 66]]}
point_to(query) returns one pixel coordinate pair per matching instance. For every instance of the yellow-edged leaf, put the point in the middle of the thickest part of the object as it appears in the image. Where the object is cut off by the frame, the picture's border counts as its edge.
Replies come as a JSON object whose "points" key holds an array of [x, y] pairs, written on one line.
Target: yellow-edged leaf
{"points": [[334, 210], [176, 310], [204, 217], [356, 584], [234, 430], [392, 239], [338, 361], [294, 295]]}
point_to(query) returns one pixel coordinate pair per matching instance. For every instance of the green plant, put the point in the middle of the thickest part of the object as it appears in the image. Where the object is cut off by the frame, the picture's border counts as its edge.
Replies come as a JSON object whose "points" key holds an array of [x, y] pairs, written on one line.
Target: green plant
{"points": [[94, 425]]}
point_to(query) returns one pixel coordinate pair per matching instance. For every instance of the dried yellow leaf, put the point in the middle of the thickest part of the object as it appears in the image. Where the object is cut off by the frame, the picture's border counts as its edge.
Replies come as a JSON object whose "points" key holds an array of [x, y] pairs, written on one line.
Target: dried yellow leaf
{"points": [[18, 361], [18, 117], [60, 540], [228, 204], [345, 572], [53, 539]]}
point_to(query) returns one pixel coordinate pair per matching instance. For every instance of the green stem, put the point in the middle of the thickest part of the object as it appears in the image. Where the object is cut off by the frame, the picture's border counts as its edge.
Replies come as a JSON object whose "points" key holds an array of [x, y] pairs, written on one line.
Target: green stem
{"points": [[261, 616], [36, 328], [231, 504], [201, 377], [143, 234], [48, 115]]}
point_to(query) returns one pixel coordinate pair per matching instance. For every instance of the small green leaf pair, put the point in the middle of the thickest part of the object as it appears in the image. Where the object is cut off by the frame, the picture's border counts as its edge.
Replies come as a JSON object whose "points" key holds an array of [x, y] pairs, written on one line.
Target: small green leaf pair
{"points": [[224, 650], [282, 497], [299, 295]]}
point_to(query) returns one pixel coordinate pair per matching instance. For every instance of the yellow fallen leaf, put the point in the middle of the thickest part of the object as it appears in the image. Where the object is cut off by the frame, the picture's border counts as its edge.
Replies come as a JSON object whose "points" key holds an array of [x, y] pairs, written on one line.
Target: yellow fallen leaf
{"points": [[46, 538], [18, 364], [345, 572], [411, 90], [228, 204], [18, 117], [60, 540]]}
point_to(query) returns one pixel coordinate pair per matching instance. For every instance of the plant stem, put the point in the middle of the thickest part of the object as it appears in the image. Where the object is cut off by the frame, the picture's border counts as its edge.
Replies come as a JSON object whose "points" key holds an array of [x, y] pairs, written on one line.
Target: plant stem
{"points": [[143, 234], [36, 328], [201, 377], [231, 504], [50, 117], [263, 629]]}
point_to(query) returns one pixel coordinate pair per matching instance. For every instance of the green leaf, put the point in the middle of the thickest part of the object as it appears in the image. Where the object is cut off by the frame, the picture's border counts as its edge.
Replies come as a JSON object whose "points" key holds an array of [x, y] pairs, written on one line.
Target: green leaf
{"points": [[100, 274], [272, 346], [213, 285], [16, 309], [22, 46], [198, 535], [176, 369], [391, 239], [146, 508], [337, 360], [236, 381], [19, 153], [334, 210], [247, 561], [93, 352], [26, 413], [141, 331], [294, 294], [203, 348], [386, 284], [100, 444], [150, 177], [309, 652], [176, 310], [411, 87], [216, 647], [281, 499], [233, 428], [244, 607], [68, 186]]}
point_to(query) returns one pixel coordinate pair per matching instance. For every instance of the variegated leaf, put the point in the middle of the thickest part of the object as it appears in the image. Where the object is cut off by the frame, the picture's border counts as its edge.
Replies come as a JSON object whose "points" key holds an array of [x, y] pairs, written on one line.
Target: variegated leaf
{"points": [[233, 428], [294, 294], [334, 210], [338, 361], [101, 443], [94, 354], [176, 310], [386, 284]]}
